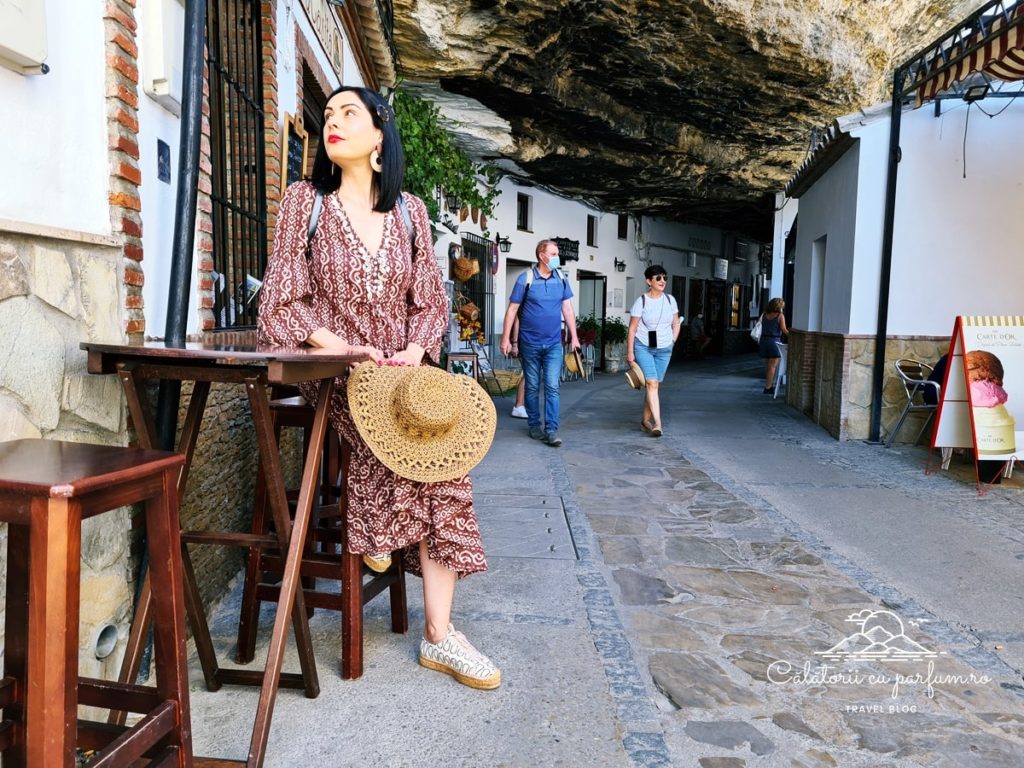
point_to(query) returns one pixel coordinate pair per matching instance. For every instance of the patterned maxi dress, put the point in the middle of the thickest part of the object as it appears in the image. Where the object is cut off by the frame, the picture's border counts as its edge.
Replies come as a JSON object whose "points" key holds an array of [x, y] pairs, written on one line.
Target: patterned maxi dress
{"points": [[385, 300]]}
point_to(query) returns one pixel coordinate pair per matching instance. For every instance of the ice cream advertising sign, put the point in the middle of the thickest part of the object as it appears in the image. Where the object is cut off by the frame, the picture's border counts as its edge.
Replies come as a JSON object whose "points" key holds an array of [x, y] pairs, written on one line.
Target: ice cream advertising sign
{"points": [[982, 399]]}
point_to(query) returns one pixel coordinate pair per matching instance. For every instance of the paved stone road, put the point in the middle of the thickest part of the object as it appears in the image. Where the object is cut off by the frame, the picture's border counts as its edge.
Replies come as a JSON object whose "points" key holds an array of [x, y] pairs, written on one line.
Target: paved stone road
{"points": [[669, 602]]}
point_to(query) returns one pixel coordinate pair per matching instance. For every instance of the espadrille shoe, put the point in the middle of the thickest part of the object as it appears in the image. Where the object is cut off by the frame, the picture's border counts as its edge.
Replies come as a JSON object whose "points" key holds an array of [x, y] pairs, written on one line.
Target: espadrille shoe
{"points": [[378, 563], [456, 656]]}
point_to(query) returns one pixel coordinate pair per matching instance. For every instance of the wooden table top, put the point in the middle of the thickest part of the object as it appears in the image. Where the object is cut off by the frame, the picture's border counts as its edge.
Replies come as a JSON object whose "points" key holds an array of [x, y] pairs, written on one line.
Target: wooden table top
{"points": [[285, 365]]}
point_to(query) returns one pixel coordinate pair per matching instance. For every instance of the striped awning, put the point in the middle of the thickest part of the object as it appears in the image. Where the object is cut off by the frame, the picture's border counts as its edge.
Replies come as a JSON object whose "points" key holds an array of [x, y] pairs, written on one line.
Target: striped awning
{"points": [[997, 51]]}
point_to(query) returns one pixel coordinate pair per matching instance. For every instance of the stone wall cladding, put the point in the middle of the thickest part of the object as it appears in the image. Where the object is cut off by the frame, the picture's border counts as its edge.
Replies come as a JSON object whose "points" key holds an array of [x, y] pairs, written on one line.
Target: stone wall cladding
{"points": [[54, 294], [831, 381]]}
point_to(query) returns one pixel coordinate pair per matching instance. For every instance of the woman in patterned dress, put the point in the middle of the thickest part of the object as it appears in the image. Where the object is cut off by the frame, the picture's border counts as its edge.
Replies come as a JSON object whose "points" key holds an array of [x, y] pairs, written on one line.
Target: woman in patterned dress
{"points": [[360, 289]]}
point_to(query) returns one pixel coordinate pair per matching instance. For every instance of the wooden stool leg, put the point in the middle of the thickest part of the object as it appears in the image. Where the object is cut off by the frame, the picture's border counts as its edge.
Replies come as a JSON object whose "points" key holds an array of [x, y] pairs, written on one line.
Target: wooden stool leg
{"points": [[399, 609], [248, 619], [351, 614], [15, 640], [163, 536], [53, 586], [141, 623]]}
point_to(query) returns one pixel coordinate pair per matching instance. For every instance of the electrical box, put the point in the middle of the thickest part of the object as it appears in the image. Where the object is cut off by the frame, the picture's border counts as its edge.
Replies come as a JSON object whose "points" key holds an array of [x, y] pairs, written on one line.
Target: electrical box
{"points": [[163, 46], [23, 35]]}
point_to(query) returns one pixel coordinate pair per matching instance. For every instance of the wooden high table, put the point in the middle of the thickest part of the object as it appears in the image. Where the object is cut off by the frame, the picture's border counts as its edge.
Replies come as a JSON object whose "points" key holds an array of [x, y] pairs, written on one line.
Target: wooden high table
{"points": [[254, 367]]}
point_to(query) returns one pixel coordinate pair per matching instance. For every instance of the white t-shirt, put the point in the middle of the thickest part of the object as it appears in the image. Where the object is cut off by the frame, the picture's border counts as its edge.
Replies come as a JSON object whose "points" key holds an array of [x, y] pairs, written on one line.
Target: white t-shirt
{"points": [[655, 315]]}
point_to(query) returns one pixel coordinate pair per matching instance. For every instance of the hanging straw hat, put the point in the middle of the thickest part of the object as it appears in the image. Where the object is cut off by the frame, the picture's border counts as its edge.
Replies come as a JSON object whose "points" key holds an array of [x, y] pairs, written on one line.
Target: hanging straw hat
{"points": [[573, 362], [635, 376], [421, 423]]}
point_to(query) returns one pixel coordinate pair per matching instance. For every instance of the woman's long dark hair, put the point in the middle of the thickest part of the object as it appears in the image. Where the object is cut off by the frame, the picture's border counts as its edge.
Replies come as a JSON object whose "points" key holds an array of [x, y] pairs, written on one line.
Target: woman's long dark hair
{"points": [[327, 176]]}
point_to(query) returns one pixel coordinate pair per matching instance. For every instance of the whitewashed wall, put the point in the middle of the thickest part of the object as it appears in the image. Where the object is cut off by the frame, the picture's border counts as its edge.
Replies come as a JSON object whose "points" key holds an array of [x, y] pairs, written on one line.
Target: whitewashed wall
{"points": [[957, 246], [158, 123], [53, 140], [828, 210], [956, 240]]}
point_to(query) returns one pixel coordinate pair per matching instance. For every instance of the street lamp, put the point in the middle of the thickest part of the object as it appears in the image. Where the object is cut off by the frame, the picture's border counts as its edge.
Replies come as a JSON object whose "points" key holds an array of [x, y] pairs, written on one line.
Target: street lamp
{"points": [[620, 266], [503, 243]]}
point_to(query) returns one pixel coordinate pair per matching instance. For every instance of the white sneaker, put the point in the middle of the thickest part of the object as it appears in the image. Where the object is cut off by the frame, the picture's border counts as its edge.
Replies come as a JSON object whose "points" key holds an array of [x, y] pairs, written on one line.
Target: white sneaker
{"points": [[519, 412], [455, 656]]}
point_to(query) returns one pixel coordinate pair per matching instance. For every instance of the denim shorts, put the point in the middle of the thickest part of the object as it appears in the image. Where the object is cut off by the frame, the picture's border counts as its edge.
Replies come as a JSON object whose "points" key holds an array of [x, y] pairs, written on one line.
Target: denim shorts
{"points": [[653, 362]]}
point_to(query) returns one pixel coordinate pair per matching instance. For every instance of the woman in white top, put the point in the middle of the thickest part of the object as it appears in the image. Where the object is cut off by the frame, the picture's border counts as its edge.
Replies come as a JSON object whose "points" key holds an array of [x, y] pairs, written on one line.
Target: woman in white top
{"points": [[653, 329]]}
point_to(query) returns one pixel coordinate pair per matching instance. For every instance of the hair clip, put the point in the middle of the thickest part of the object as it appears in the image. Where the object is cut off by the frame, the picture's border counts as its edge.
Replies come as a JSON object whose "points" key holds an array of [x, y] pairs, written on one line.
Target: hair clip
{"points": [[383, 112]]}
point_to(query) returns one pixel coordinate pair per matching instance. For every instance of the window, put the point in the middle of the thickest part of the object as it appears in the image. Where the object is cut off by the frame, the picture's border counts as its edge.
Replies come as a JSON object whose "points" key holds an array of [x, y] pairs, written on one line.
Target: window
{"points": [[623, 226], [524, 209], [592, 231], [237, 153]]}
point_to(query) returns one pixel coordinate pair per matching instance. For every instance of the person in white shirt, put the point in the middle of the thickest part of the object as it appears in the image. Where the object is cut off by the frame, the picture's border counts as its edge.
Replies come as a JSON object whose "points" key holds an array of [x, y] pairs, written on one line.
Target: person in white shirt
{"points": [[653, 329]]}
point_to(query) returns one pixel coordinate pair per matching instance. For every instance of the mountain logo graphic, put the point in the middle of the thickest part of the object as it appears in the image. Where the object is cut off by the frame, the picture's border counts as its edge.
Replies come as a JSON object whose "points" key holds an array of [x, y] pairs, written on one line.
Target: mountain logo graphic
{"points": [[881, 636]]}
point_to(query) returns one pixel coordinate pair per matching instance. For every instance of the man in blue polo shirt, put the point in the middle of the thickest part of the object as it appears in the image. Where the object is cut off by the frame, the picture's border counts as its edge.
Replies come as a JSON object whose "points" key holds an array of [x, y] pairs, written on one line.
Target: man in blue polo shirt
{"points": [[546, 298]]}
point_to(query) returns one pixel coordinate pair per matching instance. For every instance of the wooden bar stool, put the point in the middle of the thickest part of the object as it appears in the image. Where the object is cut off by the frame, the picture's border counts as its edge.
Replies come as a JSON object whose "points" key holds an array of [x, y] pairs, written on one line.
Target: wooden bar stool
{"points": [[325, 558], [47, 488]]}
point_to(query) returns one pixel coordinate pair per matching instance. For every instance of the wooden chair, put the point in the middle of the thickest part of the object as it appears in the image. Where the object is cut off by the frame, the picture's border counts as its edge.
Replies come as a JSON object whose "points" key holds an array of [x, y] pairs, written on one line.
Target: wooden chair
{"points": [[913, 376], [325, 558], [46, 489]]}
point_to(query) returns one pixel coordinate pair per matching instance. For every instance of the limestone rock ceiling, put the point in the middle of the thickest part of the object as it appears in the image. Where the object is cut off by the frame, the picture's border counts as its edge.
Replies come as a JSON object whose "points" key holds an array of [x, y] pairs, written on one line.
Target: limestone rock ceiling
{"points": [[695, 110]]}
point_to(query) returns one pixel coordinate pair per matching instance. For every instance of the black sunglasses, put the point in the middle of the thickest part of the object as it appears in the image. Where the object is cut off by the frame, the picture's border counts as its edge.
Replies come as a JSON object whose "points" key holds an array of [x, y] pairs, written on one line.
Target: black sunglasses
{"points": [[662, 278]]}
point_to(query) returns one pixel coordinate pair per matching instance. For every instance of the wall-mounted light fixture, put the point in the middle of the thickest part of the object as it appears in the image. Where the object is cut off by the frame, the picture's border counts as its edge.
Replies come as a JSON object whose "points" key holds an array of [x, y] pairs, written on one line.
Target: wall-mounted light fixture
{"points": [[976, 93], [620, 266], [503, 243]]}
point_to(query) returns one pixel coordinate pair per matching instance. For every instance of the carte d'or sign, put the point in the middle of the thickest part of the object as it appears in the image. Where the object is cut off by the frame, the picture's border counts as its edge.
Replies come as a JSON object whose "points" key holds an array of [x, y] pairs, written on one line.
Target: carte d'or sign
{"points": [[325, 24]]}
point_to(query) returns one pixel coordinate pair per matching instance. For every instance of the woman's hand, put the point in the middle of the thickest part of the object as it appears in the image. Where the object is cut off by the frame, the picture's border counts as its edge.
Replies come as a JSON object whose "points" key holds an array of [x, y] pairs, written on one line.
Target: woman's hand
{"points": [[411, 355]]}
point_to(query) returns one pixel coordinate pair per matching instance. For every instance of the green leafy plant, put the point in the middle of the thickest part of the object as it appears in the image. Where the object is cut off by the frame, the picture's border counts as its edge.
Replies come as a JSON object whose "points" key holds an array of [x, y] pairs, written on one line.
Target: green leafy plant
{"points": [[615, 331], [434, 162]]}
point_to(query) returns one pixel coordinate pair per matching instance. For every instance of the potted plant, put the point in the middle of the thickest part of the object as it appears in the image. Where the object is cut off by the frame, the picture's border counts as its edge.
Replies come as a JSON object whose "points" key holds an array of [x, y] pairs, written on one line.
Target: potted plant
{"points": [[614, 337], [587, 329]]}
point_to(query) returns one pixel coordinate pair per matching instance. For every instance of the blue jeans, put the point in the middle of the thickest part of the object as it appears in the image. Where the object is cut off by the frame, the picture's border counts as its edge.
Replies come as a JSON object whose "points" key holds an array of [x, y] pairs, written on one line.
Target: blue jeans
{"points": [[535, 361]]}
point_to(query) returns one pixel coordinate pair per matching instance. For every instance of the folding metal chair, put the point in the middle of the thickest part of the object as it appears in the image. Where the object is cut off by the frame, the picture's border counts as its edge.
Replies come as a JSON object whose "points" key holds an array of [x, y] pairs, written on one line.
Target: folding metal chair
{"points": [[913, 375]]}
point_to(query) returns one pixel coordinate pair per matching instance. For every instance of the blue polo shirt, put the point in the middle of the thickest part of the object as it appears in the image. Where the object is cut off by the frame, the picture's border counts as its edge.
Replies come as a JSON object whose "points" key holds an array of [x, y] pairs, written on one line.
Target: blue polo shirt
{"points": [[541, 322]]}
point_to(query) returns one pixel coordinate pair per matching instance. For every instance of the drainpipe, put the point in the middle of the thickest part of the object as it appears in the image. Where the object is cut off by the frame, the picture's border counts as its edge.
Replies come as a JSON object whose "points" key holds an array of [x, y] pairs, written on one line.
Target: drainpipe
{"points": [[878, 374], [184, 212]]}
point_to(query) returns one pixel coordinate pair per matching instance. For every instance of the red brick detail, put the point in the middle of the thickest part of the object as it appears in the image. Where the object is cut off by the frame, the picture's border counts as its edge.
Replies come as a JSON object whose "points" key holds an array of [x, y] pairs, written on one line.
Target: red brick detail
{"points": [[129, 172], [131, 227], [129, 146], [129, 121], [123, 200], [122, 102], [123, 18], [128, 46], [133, 252]]}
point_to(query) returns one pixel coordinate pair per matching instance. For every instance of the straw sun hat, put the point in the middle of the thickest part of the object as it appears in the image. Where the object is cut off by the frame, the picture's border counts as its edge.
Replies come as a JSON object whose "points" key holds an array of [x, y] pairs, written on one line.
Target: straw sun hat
{"points": [[574, 362], [635, 376], [421, 423]]}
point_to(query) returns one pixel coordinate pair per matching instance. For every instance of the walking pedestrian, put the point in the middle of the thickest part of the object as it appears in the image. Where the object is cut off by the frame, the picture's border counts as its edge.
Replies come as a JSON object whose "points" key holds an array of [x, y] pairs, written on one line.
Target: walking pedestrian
{"points": [[519, 407], [653, 329], [546, 300], [699, 336], [773, 328]]}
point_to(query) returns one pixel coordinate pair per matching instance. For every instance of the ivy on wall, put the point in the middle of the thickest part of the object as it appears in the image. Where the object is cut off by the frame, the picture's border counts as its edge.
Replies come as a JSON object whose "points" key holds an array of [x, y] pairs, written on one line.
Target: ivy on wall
{"points": [[433, 161]]}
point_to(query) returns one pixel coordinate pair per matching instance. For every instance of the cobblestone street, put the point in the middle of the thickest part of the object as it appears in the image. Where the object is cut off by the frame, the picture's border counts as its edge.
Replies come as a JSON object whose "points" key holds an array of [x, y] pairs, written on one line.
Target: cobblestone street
{"points": [[670, 602]]}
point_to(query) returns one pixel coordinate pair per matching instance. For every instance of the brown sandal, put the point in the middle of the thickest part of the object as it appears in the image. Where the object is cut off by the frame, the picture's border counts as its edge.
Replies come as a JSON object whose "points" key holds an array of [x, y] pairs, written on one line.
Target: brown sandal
{"points": [[644, 426], [656, 431]]}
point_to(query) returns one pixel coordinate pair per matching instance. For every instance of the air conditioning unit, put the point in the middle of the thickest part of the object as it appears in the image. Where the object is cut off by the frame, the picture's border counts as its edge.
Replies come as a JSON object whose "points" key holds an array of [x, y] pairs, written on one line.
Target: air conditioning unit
{"points": [[23, 37]]}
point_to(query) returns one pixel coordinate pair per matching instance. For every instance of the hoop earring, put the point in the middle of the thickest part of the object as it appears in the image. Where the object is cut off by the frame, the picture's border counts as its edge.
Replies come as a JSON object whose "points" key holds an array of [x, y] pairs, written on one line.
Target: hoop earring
{"points": [[375, 160]]}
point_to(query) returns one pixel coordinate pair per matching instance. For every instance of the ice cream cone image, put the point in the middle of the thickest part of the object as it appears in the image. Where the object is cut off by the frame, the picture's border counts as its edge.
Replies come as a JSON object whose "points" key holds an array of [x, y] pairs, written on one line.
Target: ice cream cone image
{"points": [[993, 425]]}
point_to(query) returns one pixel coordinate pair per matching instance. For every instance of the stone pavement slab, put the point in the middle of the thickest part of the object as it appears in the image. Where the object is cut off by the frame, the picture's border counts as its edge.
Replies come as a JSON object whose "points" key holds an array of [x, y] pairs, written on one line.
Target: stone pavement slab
{"points": [[679, 610]]}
